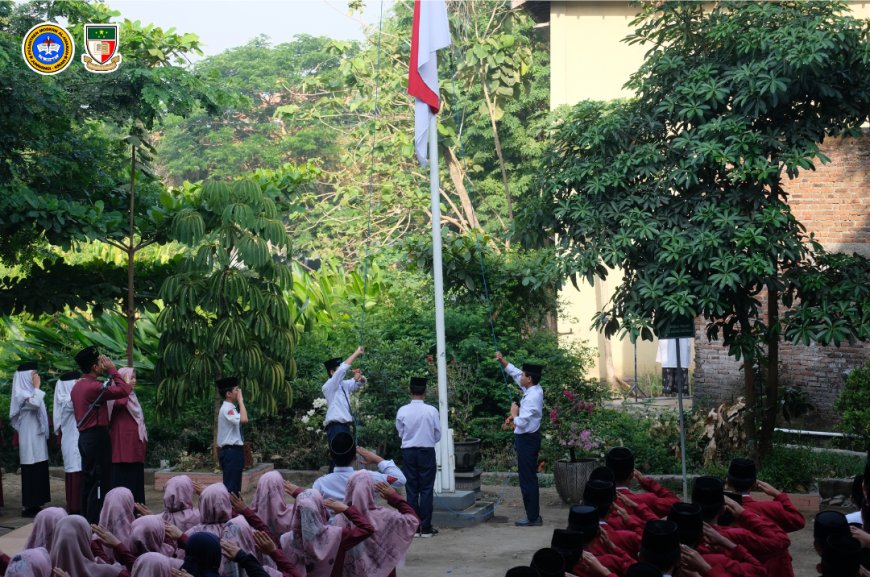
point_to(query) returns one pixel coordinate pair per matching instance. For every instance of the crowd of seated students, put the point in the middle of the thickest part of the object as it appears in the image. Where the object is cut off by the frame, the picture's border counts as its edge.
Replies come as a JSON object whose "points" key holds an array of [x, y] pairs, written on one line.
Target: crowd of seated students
{"points": [[619, 532]]}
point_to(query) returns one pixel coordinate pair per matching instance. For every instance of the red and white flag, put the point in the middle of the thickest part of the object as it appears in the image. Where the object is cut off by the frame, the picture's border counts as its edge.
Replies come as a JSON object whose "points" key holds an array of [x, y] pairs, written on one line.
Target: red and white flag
{"points": [[431, 33]]}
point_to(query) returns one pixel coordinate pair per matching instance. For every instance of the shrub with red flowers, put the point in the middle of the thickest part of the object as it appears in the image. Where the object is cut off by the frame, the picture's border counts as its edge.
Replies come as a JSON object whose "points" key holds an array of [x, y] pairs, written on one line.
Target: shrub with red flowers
{"points": [[570, 425]]}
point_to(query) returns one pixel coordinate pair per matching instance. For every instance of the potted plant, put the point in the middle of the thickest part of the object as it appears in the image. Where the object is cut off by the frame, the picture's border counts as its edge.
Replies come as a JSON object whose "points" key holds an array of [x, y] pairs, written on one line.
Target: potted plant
{"points": [[464, 399], [570, 420]]}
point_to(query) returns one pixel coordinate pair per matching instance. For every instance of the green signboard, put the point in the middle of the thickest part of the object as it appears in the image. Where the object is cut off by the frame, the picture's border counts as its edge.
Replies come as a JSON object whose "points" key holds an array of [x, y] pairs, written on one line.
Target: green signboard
{"points": [[678, 328]]}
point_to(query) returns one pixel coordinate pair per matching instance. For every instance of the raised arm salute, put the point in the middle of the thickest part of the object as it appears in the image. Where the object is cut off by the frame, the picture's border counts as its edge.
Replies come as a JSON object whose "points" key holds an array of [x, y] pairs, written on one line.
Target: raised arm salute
{"points": [[337, 391], [89, 396]]}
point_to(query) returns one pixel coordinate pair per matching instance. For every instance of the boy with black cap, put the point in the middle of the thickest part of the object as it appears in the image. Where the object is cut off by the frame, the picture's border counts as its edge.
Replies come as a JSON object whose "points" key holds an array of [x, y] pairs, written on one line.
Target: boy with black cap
{"points": [[526, 420], [742, 477], [231, 445], [343, 449], [89, 397], [656, 498], [337, 390], [419, 427]]}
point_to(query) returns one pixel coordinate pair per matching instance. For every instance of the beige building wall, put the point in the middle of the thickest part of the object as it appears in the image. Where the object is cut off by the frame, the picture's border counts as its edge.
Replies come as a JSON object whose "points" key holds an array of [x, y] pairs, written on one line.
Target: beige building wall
{"points": [[590, 61]]}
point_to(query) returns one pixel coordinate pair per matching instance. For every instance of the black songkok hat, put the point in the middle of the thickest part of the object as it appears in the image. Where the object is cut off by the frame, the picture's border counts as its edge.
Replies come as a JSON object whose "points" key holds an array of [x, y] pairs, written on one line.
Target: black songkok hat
{"points": [[643, 569], [342, 444], [620, 460], [830, 524], [602, 474], [570, 544], [742, 472], [69, 376], [418, 385], [27, 366], [87, 358], [226, 384], [584, 518], [534, 370], [709, 493], [548, 562], [660, 543], [690, 523], [600, 494], [332, 364]]}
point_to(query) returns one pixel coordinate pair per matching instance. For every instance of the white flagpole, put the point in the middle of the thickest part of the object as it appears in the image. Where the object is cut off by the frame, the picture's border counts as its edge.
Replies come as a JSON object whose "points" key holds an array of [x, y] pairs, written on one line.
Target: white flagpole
{"points": [[447, 482]]}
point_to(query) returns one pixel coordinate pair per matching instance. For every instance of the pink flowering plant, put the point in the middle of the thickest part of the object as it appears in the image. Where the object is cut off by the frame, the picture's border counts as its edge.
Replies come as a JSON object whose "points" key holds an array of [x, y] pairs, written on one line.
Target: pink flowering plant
{"points": [[570, 424]]}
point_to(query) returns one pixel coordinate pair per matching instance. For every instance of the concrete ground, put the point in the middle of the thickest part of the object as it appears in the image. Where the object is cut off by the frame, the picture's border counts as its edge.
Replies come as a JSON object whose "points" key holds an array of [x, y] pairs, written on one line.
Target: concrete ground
{"points": [[486, 550]]}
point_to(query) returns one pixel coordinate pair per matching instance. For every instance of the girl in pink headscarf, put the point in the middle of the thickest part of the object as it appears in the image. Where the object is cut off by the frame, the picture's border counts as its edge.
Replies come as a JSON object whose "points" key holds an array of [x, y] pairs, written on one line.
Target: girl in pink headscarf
{"points": [[148, 535], [316, 546], [44, 523], [129, 439], [394, 530], [269, 503], [71, 551], [30, 563], [214, 510], [117, 518], [152, 565], [178, 506]]}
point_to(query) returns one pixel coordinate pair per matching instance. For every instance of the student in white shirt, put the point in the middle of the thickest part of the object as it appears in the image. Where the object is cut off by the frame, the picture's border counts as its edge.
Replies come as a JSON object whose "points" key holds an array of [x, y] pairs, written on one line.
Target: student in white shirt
{"points": [[231, 452], [343, 449], [419, 427], [526, 420], [337, 390]]}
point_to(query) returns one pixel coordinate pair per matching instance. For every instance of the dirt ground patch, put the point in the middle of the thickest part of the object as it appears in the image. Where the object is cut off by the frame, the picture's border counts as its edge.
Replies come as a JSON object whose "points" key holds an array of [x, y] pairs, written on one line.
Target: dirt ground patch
{"points": [[486, 550]]}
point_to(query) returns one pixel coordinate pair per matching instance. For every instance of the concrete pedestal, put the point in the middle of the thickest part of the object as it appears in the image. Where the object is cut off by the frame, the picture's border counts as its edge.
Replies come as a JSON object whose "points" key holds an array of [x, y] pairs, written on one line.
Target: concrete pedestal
{"points": [[469, 481], [460, 509]]}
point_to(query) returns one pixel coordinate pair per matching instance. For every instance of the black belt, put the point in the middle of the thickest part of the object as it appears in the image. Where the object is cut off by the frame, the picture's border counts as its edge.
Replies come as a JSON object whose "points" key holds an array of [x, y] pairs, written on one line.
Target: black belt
{"points": [[232, 446]]}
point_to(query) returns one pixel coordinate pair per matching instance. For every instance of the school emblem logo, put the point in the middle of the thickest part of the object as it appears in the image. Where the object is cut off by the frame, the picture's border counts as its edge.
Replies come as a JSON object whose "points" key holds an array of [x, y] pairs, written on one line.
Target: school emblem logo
{"points": [[48, 48], [101, 44]]}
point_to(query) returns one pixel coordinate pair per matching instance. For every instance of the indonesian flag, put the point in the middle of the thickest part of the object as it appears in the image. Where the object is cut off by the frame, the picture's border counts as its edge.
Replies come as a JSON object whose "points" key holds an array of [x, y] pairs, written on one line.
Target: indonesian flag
{"points": [[431, 33]]}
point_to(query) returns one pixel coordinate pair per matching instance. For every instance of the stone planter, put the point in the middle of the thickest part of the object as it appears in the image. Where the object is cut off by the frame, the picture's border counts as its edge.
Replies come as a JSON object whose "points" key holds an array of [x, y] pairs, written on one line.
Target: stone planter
{"points": [[570, 478], [466, 453]]}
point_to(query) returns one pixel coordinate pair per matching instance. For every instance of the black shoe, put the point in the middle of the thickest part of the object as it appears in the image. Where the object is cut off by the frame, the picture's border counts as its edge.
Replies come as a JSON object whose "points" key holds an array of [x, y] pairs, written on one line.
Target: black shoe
{"points": [[524, 522], [428, 532], [30, 512]]}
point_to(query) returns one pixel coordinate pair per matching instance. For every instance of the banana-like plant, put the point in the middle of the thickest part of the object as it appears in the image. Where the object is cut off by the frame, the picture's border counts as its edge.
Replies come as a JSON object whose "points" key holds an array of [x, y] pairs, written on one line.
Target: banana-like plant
{"points": [[225, 310]]}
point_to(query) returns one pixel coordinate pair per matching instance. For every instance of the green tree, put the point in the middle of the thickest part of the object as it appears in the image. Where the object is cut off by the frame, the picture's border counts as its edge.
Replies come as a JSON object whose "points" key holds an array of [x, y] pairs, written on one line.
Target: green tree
{"points": [[225, 311], [682, 186]]}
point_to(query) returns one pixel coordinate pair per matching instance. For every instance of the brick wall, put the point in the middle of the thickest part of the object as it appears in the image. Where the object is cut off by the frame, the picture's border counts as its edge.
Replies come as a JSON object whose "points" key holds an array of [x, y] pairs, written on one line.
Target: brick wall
{"points": [[834, 203]]}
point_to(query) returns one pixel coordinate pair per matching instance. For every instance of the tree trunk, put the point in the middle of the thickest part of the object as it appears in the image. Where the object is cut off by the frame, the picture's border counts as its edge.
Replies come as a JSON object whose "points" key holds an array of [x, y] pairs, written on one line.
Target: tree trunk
{"points": [[456, 175], [771, 400], [131, 254], [751, 392], [491, 109]]}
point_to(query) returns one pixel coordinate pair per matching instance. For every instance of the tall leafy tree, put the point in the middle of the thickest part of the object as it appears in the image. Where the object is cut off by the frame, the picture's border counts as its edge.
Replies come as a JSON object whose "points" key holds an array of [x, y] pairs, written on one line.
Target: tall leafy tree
{"points": [[225, 311], [682, 187]]}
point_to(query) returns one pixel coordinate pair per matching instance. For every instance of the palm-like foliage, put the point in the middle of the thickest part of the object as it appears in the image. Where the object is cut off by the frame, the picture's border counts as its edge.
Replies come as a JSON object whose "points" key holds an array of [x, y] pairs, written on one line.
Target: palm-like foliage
{"points": [[225, 312]]}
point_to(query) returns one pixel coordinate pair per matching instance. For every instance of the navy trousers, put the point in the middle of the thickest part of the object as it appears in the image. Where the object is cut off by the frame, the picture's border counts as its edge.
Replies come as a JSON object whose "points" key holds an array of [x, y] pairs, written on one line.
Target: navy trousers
{"points": [[332, 429], [419, 467], [528, 445], [95, 447], [232, 459]]}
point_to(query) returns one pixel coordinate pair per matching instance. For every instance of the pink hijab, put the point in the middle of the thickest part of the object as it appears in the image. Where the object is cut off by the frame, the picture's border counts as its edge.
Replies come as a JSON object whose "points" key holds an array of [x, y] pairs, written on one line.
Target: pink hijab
{"points": [[378, 555], [178, 503], [117, 516], [311, 543], [147, 535], [71, 550], [133, 407], [30, 562], [214, 510], [239, 532], [269, 503], [152, 565], [44, 523]]}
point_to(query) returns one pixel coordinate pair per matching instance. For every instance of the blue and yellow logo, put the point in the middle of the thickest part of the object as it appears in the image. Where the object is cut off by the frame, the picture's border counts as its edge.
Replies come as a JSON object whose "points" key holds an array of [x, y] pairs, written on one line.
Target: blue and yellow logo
{"points": [[48, 48]]}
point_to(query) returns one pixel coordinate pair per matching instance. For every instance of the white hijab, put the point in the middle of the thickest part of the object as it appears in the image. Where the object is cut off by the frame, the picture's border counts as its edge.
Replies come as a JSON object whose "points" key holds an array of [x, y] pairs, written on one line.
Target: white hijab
{"points": [[22, 390], [62, 400]]}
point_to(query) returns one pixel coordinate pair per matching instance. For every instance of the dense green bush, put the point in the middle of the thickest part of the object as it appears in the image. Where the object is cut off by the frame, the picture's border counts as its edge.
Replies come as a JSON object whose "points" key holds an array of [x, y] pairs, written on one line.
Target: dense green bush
{"points": [[853, 403]]}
